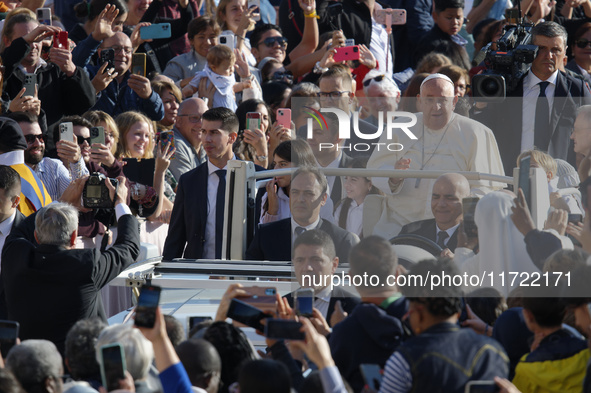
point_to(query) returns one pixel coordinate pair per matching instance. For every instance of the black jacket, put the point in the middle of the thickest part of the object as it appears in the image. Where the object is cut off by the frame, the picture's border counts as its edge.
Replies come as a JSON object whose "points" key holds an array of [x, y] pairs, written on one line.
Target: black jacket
{"points": [[272, 242], [51, 288], [436, 40], [428, 229], [60, 95], [348, 301], [376, 332]]}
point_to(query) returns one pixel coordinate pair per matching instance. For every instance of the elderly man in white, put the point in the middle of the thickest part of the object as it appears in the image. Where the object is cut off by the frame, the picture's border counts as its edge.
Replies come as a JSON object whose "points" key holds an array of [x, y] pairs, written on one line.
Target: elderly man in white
{"points": [[445, 141], [383, 95]]}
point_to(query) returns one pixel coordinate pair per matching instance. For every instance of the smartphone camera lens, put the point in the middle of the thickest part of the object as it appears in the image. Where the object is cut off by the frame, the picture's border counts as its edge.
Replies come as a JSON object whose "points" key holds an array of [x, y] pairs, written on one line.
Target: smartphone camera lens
{"points": [[222, 40], [355, 49]]}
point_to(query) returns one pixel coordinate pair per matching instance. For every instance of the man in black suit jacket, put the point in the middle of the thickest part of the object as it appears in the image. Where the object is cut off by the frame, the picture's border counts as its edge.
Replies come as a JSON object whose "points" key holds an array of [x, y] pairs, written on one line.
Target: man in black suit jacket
{"points": [[194, 230], [54, 285], [446, 205], [308, 193], [513, 121], [315, 262]]}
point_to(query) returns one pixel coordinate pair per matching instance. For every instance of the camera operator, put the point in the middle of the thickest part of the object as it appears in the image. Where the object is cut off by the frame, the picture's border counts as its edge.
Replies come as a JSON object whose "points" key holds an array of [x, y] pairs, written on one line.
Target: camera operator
{"points": [[60, 283], [545, 117]]}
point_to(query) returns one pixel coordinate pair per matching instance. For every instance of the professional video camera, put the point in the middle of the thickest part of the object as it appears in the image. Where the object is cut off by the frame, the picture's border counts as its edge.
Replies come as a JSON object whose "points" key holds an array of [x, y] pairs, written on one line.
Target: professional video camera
{"points": [[506, 65], [96, 194]]}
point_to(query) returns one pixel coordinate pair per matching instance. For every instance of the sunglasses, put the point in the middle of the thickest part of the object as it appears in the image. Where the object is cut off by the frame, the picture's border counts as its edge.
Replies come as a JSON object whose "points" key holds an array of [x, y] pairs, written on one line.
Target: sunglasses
{"points": [[270, 41], [31, 138], [279, 75], [81, 140], [583, 43], [377, 79]]}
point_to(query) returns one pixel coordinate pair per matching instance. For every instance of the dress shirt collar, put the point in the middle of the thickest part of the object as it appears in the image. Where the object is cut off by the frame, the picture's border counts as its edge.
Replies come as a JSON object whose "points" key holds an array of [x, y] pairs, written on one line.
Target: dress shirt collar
{"points": [[324, 294], [212, 168], [335, 163], [449, 231], [12, 157], [531, 80], [6, 225], [294, 225]]}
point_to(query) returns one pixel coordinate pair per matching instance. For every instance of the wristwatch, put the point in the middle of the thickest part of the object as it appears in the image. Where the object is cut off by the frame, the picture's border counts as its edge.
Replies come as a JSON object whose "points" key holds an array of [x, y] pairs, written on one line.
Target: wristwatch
{"points": [[261, 158]]}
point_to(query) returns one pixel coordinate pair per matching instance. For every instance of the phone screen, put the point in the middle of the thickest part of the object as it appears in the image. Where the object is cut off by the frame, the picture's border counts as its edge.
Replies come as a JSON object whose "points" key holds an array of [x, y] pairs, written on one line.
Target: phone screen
{"points": [[468, 209], [112, 366], [246, 314], [304, 302], [284, 329], [524, 181], [8, 336], [145, 312], [372, 375], [197, 320], [253, 121]]}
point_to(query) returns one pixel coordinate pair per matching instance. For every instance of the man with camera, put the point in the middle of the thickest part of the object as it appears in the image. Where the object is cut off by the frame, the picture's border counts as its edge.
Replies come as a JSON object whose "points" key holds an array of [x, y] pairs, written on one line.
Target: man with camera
{"points": [[54, 285], [544, 115]]}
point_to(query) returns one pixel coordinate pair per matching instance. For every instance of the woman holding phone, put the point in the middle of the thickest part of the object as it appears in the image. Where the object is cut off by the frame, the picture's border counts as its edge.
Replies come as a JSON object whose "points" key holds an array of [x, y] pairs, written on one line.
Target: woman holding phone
{"points": [[137, 141]]}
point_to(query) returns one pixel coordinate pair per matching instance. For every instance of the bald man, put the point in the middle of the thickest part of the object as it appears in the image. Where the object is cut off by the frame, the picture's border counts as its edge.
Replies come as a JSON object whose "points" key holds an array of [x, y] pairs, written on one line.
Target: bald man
{"points": [[446, 141], [446, 206], [187, 137]]}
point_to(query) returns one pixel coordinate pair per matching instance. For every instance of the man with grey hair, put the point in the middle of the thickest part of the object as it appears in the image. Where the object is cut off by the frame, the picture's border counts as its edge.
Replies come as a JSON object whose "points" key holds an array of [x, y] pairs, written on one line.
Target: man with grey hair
{"points": [[383, 95], [541, 110], [37, 365], [445, 141], [62, 284], [187, 137]]}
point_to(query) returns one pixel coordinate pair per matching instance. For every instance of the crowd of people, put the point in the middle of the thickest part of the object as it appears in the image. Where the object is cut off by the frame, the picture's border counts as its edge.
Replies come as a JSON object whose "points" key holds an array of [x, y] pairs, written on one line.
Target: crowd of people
{"points": [[308, 85]]}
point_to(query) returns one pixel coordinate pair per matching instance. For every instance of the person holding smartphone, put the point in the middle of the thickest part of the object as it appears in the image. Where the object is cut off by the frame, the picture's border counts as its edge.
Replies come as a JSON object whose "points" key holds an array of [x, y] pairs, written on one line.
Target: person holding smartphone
{"points": [[77, 274]]}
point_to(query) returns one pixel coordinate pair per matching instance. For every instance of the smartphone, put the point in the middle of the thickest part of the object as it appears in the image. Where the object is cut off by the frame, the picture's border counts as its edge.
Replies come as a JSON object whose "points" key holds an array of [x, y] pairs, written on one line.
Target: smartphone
{"points": [[60, 40], [29, 84], [197, 320], [262, 298], [108, 55], [140, 171], [97, 135], [346, 53], [8, 336], [390, 16], [468, 209], [575, 218], [284, 117], [67, 131], [255, 4], [350, 42], [524, 181], [167, 136], [253, 121], [304, 302], [372, 375], [282, 329], [145, 312], [244, 313], [112, 363], [481, 387], [155, 31], [44, 16], [228, 40], [138, 64]]}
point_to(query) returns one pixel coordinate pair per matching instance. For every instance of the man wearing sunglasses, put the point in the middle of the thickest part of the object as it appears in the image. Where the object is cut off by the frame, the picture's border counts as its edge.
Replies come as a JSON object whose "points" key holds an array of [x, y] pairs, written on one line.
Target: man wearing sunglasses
{"points": [[52, 172], [268, 41], [383, 95]]}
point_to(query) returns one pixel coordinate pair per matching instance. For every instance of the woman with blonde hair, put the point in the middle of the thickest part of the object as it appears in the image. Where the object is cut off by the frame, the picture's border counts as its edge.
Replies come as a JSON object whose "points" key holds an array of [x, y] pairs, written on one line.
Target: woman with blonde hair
{"points": [[137, 141], [235, 18]]}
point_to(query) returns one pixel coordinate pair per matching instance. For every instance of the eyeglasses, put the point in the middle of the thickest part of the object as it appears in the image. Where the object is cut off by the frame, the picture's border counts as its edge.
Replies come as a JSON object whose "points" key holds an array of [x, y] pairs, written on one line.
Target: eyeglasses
{"points": [[193, 119], [377, 79], [31, 138], [271, 41], [81, 140], [583, 43], [125, 49], [333, 94], [280, 75]]}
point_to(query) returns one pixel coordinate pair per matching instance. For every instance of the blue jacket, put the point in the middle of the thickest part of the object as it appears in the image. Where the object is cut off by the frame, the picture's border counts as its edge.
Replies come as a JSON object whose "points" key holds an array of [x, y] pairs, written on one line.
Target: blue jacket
{"points": [[118, 98], [452, 356]]}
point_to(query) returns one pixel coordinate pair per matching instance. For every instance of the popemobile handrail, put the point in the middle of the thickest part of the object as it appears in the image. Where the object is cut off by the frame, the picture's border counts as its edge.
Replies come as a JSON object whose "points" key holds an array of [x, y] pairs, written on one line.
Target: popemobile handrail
{"points": [[406, 173]]}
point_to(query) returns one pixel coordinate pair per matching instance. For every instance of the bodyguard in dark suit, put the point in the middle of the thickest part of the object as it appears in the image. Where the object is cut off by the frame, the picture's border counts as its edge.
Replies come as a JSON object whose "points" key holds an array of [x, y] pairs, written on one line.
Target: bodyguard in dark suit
{"points": [[196, 224], [545, 115], [54, 285], [446, 205], [308, 193], [314, 262]]}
